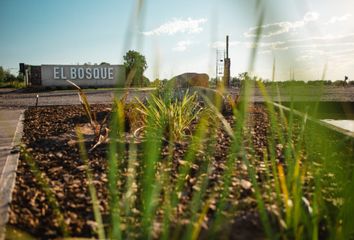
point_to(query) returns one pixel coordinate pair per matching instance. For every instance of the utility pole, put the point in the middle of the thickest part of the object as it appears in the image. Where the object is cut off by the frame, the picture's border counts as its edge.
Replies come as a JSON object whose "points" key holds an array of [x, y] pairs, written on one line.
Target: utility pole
{"points": [[227, 64], [216, 69]]}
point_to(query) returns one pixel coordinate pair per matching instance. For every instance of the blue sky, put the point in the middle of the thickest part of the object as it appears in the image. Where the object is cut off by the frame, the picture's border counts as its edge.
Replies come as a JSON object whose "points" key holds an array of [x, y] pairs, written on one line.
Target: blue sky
{"points": [[182, 36]]}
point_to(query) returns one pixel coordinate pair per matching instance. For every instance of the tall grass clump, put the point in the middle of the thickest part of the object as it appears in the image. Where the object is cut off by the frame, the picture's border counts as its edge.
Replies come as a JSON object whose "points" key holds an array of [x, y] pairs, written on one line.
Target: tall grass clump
{"points": [[171, 113]]}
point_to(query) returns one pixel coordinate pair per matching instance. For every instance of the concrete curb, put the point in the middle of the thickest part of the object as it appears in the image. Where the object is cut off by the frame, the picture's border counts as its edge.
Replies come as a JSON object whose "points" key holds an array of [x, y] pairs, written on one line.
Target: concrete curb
{"points": [[322, 123], [8, 177]]}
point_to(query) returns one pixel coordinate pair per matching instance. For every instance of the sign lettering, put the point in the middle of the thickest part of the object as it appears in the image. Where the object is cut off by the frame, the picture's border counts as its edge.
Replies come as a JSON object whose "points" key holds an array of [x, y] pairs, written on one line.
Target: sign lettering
{"points": [[60, 73]]}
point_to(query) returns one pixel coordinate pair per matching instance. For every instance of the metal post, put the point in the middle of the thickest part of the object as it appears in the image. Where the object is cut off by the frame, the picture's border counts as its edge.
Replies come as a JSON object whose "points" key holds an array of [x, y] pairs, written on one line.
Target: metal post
{"points": [[216, 70], [227, 64], [227, 46]]}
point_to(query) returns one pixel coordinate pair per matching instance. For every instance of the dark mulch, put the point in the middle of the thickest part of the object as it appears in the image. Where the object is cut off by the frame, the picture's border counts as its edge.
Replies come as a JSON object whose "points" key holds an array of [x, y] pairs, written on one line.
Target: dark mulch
{"points": [[48, 136]]}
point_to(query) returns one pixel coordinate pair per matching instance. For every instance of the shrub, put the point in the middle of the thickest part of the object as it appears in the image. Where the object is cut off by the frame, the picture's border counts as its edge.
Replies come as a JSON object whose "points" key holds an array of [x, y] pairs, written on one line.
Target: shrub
{"points": [[171, 114]]}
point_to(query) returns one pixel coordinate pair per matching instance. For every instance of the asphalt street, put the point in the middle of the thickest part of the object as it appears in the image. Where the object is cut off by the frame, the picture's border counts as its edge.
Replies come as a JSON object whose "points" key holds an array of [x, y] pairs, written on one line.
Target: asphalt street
{"points": [[11, 98]]}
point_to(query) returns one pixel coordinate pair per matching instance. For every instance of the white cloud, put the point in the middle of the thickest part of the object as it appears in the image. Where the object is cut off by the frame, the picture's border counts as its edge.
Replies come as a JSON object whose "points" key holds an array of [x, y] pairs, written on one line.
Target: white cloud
{"points": [[311, 16], [269, 45], [339, 19], [182, 46], [269, 30], [188, 25], [273, 29], [304, 58], [339, 56], [341, 53], [309, 54], [310, 44], [249, 44], [313, 44], [322, 41], [265, 52]]}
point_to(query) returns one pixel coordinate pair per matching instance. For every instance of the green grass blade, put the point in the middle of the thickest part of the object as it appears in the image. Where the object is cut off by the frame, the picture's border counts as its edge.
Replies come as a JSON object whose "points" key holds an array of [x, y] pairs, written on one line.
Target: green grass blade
{"points": [[92, 189]]}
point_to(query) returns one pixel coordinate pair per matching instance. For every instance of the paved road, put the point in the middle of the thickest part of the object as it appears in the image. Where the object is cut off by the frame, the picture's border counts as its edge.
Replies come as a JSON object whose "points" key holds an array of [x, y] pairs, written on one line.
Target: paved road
{"points": [[17, 99]]}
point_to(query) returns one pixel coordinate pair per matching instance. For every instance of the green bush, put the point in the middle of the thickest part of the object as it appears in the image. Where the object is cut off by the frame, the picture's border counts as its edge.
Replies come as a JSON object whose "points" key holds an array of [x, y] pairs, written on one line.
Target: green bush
{"points": [[172, 114]]}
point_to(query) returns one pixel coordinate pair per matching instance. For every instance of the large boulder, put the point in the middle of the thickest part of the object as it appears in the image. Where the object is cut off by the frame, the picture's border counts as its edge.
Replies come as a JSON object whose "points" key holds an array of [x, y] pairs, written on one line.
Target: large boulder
{"points": [[187, 80]]}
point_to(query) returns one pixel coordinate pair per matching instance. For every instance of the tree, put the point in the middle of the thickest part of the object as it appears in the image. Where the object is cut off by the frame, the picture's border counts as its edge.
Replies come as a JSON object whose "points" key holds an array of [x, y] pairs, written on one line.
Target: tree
{"points": [[236, 82], [244, 76], [2, 74], [135, 65], [6, 76], [156, 83]]}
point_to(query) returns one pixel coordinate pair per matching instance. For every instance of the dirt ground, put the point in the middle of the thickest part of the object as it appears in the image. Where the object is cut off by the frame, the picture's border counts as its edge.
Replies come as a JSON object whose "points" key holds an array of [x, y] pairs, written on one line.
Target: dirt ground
{"points": [[48, 134]]}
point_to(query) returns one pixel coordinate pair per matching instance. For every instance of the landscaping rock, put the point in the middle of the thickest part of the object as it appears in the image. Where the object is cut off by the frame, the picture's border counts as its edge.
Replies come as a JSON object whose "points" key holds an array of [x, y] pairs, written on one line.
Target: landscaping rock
{"points": [[187, 80]]}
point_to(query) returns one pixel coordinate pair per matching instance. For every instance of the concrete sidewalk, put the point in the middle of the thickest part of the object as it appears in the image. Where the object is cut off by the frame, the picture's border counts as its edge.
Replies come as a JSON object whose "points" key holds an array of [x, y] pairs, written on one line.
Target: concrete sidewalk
{"points": [[10, 137], [8, 124]]}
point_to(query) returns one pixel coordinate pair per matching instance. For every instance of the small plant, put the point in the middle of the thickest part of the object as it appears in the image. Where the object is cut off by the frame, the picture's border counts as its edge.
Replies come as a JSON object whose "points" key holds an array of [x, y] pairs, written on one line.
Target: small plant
{"points": [[85, 104], [173, 115], [134, 119], [232, 102], [100, 130]]}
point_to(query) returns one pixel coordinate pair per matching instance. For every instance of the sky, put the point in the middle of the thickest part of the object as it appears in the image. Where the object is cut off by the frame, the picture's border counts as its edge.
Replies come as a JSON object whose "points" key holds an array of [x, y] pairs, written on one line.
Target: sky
{"points": [[302, 38]]}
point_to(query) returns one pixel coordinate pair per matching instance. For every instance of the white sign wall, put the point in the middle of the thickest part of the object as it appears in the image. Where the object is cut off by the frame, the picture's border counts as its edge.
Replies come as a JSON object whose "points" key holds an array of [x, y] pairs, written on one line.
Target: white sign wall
{"points": [[83, 75]]}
